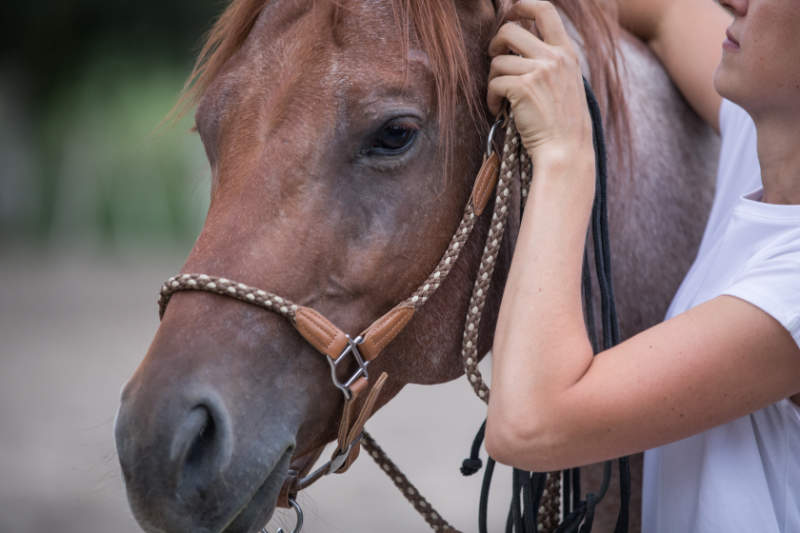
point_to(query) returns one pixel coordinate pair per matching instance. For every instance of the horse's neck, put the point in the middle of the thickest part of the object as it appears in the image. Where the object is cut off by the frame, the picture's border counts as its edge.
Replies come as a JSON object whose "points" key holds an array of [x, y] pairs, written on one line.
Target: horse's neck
{"points": [[657, 211], [656, 217]]}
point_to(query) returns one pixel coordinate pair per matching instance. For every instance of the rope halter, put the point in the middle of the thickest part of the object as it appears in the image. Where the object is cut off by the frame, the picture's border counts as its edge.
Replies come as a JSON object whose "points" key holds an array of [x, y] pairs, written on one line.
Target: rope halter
{"points": [[342, 349]]}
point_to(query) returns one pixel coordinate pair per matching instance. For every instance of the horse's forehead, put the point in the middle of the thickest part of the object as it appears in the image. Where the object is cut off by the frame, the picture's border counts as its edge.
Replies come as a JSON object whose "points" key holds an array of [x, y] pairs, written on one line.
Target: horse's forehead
{"points": [[349, 36], [362, 16], [300, 56]]}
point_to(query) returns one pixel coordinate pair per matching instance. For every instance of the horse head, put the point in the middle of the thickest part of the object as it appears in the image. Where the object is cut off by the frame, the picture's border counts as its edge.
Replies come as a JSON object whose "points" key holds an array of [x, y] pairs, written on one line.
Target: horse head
{"points": [[343, 144], [344, 137]]}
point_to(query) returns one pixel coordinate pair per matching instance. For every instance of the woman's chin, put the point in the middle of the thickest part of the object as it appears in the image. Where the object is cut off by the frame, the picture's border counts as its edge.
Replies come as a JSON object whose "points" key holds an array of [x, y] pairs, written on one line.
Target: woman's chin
{"points": [[723, 84]]}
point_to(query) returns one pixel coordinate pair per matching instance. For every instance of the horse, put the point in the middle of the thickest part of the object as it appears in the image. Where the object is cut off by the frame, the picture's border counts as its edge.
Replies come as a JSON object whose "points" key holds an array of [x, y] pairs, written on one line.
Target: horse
{"points": [[343, 138]]}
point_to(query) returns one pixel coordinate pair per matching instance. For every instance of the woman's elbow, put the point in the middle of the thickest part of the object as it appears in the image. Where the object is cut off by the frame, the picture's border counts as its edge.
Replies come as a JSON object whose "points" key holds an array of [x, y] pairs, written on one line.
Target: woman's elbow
{"points": [[501, 444], [529, 446]]}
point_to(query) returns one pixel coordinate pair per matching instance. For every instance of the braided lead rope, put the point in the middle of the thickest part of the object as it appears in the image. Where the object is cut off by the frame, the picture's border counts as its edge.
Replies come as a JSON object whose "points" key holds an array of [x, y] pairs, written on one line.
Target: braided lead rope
{"points": [[423, 507], [469, 346], [552, 500], [514, 157], [513, 154], [451, 254], [526, 176]]}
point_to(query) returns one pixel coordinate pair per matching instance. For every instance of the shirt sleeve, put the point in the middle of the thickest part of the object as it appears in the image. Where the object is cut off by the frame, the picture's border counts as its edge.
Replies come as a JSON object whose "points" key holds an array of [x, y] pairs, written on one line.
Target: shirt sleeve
{"points": [[773, 285]]}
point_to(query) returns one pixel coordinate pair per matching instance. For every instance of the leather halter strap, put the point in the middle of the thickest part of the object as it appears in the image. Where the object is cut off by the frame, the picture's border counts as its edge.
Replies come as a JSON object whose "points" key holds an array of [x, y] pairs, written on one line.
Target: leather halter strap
{"points": [[333, 342]]}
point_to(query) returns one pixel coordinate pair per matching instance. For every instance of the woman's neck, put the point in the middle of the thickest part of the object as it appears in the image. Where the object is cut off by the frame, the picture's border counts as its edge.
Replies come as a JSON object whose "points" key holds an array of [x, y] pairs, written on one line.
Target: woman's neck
{"points": [[779, 157]]}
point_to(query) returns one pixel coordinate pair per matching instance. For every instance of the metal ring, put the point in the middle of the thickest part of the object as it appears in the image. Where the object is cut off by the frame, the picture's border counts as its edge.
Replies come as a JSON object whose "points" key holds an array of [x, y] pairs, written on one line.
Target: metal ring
{"points": [[492, 132], [299, 525], [500, 122]]}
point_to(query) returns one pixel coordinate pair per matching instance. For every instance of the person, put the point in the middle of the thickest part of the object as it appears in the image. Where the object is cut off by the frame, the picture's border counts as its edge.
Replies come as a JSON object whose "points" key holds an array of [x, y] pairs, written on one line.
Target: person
{"points": [[713, 391]]}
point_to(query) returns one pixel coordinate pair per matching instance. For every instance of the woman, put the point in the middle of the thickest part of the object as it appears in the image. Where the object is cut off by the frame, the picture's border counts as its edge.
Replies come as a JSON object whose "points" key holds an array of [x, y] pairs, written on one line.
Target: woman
{"points": [[712, 386]]}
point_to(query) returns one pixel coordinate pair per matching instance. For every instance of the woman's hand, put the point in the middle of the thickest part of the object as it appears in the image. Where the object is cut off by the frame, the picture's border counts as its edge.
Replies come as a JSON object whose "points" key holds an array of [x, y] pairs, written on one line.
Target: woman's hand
{"points": [[542, 82]]}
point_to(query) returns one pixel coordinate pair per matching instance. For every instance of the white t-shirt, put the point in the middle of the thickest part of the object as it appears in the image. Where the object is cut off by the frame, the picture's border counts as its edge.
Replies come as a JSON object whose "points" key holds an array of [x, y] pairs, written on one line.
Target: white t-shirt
{"points": [[743, 475]]}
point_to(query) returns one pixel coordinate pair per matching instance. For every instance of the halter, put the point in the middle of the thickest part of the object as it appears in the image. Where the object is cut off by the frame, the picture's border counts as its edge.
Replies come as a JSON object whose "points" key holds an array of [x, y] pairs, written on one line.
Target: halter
{"points": [[339, 348]]}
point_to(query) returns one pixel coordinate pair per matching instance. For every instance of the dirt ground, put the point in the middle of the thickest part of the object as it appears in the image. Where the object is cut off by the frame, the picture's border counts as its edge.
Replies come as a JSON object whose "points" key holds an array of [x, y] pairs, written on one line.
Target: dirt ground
{"points": [[72, 328]]}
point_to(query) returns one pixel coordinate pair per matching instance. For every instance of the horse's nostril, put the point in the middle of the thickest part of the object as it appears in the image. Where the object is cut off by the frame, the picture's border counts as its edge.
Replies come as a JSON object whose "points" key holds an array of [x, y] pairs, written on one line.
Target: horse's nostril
{"points": [[204, 441], [201, 448]]}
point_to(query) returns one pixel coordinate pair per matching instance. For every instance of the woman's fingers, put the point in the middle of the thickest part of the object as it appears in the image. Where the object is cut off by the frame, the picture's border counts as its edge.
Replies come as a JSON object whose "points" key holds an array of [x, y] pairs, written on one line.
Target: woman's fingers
{"points": [[513, 88], [542, 84], [513, 37], [508, 65], [548, 21], [498, 90]]}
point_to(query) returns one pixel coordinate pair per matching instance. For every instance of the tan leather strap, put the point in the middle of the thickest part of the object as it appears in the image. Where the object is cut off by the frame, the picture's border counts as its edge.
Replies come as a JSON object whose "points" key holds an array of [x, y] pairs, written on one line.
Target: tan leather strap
{"points": [[328, 339], [485, 182], [384, 330], [350, 434], [320, 332], [348, 443]]}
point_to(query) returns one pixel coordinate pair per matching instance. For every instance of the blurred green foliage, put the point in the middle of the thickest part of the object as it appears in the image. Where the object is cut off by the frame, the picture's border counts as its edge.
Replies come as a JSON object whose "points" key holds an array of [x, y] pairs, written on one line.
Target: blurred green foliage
{"points": [[84, 85], [50, 40]]}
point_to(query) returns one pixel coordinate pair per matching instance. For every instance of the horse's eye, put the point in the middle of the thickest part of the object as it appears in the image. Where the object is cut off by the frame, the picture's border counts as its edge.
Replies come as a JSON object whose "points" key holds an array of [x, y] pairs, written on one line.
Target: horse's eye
{"points": [[394, 138]]}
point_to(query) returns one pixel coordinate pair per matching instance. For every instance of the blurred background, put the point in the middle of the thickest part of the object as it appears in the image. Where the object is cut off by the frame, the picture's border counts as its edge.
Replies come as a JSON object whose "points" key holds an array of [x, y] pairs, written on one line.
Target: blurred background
{"points": [[98, 205], [83, 88]]}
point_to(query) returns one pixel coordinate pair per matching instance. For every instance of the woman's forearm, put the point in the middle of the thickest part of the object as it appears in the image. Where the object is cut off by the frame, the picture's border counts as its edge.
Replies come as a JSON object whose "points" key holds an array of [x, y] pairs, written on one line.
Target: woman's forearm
{"points": [[541, 346]]}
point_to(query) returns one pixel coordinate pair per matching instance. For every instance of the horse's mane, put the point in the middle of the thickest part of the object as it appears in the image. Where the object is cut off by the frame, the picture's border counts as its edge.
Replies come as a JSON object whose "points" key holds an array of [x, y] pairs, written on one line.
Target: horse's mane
{"points": [[441, 36]]}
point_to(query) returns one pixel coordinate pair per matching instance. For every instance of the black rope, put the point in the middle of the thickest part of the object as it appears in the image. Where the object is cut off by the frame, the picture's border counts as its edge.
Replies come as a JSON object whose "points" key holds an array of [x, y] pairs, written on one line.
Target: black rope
{"points": [[516, 516], [576, 487], [623, 518], [528, 509], [473, 463], [566, 482], [483, 507], [588, 517], [528, 487], [602, 255], [588, 302], [606, 481]]}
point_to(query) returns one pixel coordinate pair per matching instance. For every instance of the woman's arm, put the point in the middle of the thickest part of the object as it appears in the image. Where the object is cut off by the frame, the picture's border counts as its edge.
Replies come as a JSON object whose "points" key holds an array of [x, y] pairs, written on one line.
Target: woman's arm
{"points": [[553, 405], [686, 35], [712, 364]]}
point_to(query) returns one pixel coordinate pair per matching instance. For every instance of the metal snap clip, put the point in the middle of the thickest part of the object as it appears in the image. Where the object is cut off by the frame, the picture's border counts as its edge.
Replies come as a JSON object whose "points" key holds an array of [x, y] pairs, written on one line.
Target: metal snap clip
{"points": [[298, 526]]}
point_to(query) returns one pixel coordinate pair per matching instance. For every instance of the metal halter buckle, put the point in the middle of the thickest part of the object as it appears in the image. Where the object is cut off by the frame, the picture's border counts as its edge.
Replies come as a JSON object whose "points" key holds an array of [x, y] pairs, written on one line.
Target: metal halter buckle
{"points": [[352, 348]]}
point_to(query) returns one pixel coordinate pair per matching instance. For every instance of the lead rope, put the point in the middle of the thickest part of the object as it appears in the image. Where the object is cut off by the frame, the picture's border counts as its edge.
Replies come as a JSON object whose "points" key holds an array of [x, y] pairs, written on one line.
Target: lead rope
{"points": [[511, 149], [546, 499], [511, 154], [477, 302]]}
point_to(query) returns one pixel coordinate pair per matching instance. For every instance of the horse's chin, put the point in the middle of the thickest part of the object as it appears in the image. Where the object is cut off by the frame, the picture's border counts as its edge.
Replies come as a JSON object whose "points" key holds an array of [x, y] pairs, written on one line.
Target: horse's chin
{"points": [[237, 510], [258, 508]]}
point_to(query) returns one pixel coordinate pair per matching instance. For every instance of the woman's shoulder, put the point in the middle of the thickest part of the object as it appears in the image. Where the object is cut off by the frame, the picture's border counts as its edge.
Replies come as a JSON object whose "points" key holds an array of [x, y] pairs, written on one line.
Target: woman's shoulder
{"points": [[769, 277]]}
